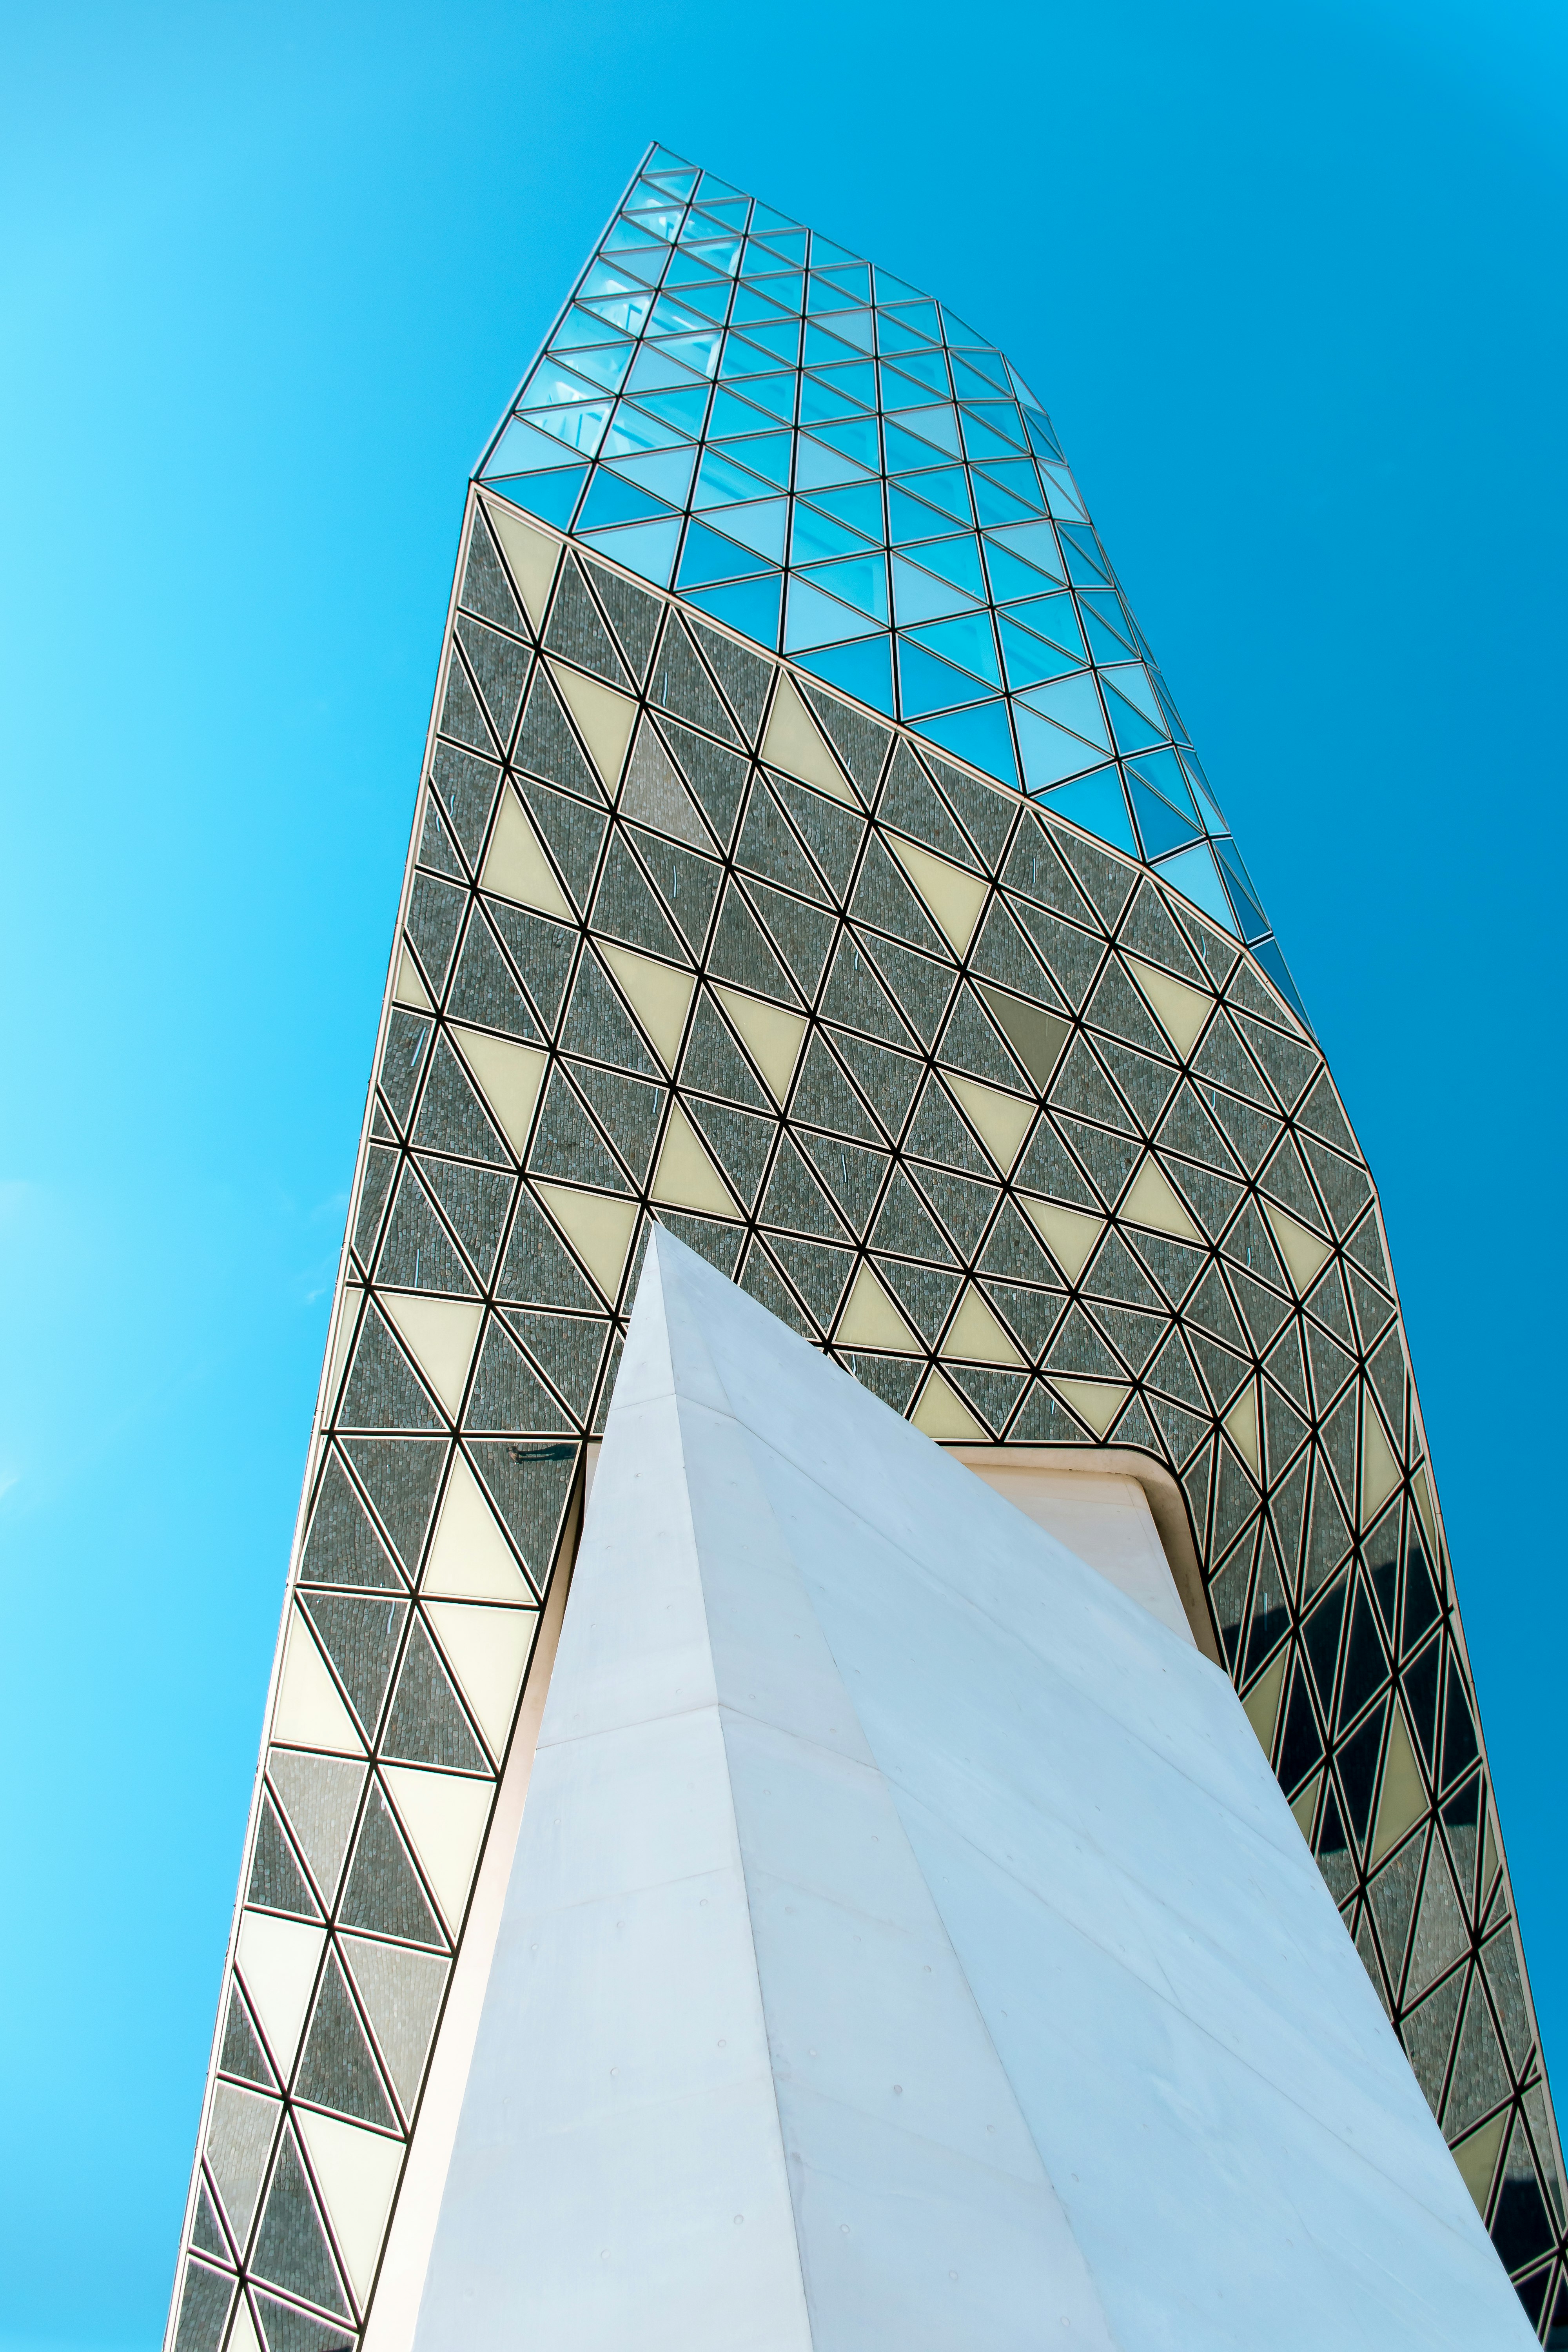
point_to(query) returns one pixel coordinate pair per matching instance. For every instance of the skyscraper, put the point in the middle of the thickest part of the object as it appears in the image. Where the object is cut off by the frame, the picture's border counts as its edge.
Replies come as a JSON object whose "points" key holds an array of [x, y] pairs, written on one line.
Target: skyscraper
{"points": [[808, 854]]}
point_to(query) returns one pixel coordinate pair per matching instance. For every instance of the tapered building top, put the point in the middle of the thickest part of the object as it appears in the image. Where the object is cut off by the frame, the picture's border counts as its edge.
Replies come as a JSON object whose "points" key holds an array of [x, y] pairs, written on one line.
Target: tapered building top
{"points": [[831, 462]]}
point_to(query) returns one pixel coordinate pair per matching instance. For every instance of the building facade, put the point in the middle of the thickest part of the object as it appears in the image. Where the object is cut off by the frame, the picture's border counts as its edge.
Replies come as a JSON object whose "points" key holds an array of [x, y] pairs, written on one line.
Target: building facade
{"points": [[808, 855]]}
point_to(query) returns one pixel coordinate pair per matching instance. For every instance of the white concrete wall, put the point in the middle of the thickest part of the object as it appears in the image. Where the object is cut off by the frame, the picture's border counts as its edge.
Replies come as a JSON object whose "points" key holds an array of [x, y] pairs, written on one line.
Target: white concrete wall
{"points": [[1104, 1518], [907, 1943]]}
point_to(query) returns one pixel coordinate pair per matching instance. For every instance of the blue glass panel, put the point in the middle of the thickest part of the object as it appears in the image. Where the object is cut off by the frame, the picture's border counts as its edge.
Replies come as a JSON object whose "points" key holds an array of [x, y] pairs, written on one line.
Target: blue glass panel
{"points": [[1208, 807], [824, 254], [948, 489], [918, 321], [859, 505], [733, 414], [996, 508], [1104, 643], [776, 394], [698, 351], [658, 370], [787, 244], [752, 606], [647, 548], [1039, 424], [856, 379], [1133, 732], [667, 472], [761, 526], [1274, 964], [1244, 897], [1162, 828], [910, 518], [916, 377], [708, 296], [814, 619], [755, 306], [582, 328], [1018, 478], [625, 312], [814, 537], [581, 427], [893, 289], [854, 280], [1083, 553], [854, 327], [926, 683], [921, 438], [966, 640], [1064, 492], [708, 555], [983, 442], [766, 342], [765, 221], [1035, 542], [551, 496], [611, 500], [864, 669], [646, 263], [957, 560], [767, 454], [1097, 804], [685, 408], [628, 236], [1133, 683], [606, 282], [551, 384], [982, 370], [635, 429], [1072, 702], [522, 450], [918, 595], [1193, 873], [818, 467], [980, 736], [860, 581], [1029, 659], [821, 346], [672, 318], [1049, 754], [857, 437], [730, 210], [822, 404], [1056, 618], [721, 481], [605, 364]]}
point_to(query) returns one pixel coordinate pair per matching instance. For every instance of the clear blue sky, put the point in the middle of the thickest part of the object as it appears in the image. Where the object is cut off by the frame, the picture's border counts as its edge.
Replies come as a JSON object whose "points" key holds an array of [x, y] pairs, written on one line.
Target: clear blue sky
{"points": [[1290, 282]]}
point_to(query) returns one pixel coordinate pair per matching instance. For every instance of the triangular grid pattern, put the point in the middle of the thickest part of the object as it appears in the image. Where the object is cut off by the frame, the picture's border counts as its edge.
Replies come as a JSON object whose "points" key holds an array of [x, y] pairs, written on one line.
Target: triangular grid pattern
{"points": [[831, 462], [982, 1107]]}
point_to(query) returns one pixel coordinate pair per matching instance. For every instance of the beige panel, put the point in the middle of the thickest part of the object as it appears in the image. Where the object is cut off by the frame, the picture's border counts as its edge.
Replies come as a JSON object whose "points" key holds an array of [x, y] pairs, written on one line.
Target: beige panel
{"points": [[1306, 1806], [356, 2172], [1262, 1701], [686, 1178], [1000, 1120], [515, 865], [1421, 1486], [1150, 1200], [794, 743], [1380, 1473], [241, 2130], [343, 1339], [599, 1228], [1403, 1797], [952, 894], [440, 1334], [1305, 1252], [771, 1035], [242, 2336], [530, 556], [1071, 1236], [309, 1712], [446, 1815], [605, 719], [277, 1959], [1477, 2158], [976, 1334], [942, 1413], [487, 1649], [409, 989], [1241, 1422], [871, 1318], [1095, 1401], [470, 1560], [1181, 1011], [510, 1076], [657, 993]]}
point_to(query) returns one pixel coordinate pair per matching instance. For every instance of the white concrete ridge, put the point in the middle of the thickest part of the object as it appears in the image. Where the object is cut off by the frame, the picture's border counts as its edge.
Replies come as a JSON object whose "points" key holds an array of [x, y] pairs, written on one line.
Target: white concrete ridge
{"points": [[907, 1944]]}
